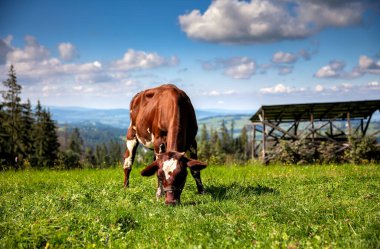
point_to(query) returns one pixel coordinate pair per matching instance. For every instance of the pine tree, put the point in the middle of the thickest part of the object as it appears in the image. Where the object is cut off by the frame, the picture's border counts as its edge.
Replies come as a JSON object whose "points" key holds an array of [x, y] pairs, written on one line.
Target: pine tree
{"points": [[225, 138], [76, 142], [46, 146], [27, 118], [115, 152], [90, 157], [244, 142], [204, 148], [52, 145], [5, 146], [217, 153], [12, 122]]}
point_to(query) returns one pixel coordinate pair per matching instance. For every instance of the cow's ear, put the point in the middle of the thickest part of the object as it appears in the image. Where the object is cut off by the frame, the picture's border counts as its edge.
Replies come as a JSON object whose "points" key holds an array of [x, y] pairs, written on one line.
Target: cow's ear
{"points": [[150, 169], [196, 165]]}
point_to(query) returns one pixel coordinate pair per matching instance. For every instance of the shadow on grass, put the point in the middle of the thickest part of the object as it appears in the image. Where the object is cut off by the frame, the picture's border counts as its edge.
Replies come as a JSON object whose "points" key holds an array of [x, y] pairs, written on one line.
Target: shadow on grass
{"points": [[226, 192]]}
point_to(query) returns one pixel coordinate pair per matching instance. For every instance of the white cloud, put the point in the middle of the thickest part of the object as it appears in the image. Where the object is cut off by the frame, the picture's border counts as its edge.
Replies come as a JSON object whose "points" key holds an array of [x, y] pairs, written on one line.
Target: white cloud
{"points": [[333, 70], [368, 65], [336, 69], [32, 51], [45, 77], [346, 90], [215, 93], [375, 85], [319, 88], [281, 89], [263, 21], [283, 70], [136, 60], [5, 48], [67, 51], [236, 67], [283, 57], [240, 68]]}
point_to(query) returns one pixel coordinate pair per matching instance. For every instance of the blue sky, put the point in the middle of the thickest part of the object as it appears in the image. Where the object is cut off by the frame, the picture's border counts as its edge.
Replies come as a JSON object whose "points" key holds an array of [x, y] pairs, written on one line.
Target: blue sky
{"points": [[231, 54]]}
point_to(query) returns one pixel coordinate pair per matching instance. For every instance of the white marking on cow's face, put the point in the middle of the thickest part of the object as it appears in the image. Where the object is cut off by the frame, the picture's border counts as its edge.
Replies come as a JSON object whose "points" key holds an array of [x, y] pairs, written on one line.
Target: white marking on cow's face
{"points": [[128, 160], [169, 166]]}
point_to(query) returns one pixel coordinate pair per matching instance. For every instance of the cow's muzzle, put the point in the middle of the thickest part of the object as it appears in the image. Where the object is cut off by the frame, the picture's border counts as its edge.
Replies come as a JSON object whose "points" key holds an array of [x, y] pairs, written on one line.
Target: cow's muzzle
{"points": [[172, 196]]}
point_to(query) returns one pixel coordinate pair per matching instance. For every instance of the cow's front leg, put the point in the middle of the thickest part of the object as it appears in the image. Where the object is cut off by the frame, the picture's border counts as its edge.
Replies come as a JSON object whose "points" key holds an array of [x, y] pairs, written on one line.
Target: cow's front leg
{"points": [[129, 155], [196, 174], [160, 189], [197, 177]]}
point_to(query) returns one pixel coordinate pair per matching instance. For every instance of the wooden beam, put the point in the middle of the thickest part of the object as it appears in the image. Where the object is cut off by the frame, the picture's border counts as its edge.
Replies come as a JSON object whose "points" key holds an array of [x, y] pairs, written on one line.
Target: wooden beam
{"points": [[263, 152], [366, 126], [253, 141], [349, 124], [312, 126], [280, 129]]}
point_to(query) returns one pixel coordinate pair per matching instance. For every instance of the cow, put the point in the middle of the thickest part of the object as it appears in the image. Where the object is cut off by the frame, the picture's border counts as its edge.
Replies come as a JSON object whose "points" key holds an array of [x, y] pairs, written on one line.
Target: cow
{"points": [[163, 119]]}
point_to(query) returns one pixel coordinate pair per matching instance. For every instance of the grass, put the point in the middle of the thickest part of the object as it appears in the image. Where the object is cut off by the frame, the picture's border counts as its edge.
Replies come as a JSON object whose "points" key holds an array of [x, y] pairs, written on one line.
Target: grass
{"points": [[245, 206]]}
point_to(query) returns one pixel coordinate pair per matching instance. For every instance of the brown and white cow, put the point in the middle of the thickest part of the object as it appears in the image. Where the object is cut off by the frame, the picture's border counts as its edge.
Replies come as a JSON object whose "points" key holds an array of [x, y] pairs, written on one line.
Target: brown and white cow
{"points": [[163, 119]]}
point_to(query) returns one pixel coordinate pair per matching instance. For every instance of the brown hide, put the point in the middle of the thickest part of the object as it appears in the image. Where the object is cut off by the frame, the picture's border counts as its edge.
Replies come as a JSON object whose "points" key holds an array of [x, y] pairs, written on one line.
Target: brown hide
{"points": [[167, 113]]}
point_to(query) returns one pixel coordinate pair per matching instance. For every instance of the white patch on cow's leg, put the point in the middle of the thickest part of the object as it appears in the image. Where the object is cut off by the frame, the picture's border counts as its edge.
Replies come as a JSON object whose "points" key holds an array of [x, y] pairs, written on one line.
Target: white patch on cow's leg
{"points": [[160, 190], [131, 144], [169, 166]]}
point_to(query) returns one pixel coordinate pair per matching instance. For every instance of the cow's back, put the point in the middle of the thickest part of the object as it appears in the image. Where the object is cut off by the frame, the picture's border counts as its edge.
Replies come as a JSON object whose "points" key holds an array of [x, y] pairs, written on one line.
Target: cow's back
{"points": [[165, 111]]}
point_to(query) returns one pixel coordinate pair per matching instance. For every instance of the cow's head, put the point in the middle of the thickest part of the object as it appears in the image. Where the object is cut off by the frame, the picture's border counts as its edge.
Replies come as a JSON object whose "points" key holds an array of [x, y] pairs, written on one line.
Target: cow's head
{"points": [[171, 168]]}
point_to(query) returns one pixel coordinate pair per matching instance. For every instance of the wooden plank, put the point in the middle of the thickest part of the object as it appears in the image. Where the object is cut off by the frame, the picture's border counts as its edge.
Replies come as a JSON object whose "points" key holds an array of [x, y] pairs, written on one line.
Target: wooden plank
{"points": [[280, 129]]}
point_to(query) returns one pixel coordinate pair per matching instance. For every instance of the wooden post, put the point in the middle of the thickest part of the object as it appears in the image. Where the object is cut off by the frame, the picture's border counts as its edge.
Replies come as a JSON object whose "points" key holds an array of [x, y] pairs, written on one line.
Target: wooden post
{"points": [[253, 141], [312, 126], [348, 124], [263, 152]]}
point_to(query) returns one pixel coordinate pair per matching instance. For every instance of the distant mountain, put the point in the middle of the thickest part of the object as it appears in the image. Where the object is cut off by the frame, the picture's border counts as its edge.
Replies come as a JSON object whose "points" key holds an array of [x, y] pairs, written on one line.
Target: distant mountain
{"points": [[98, 126], [118, 118], [240, 120]]}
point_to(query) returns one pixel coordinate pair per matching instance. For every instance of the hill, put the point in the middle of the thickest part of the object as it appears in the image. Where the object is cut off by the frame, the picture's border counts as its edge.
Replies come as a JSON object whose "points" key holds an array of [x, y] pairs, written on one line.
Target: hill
{"points": [[118, 118], [98, 126]]}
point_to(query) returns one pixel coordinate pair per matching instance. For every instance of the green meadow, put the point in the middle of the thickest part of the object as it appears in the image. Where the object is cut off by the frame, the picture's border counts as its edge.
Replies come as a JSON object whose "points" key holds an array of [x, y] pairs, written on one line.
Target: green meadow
{"points": [[251, 206]]}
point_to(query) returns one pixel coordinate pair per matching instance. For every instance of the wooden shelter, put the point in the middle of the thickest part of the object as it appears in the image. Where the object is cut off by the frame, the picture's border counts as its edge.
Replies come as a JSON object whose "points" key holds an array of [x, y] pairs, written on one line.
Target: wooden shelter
{"points": [[334, 122]]}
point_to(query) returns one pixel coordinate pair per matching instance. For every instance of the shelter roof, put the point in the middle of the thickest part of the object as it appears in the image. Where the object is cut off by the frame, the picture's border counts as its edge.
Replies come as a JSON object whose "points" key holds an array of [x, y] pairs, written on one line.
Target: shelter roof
{"points": [[320, 111]]}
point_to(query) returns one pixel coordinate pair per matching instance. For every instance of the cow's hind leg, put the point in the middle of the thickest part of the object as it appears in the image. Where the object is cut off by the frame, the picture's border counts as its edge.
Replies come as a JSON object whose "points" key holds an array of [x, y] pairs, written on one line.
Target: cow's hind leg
{"points": [[196, 174], [129, 156]]}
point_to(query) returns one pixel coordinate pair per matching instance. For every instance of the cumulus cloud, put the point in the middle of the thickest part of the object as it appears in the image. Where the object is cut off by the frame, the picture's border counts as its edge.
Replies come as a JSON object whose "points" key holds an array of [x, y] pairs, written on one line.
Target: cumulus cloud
{"points": [[284, 70], [333, 70], [351, 91], [236, 67], [215, 93], [368, 65], [32, 51], [263, 21], [336, 69], [136, 60], [47, 76], [283, 57], [280, 89], [67, 51], [5, 48]]}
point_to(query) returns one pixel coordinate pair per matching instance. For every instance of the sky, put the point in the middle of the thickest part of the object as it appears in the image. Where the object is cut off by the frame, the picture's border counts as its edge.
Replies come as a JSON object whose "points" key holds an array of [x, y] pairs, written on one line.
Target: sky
{"points": [[225, 54]]}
